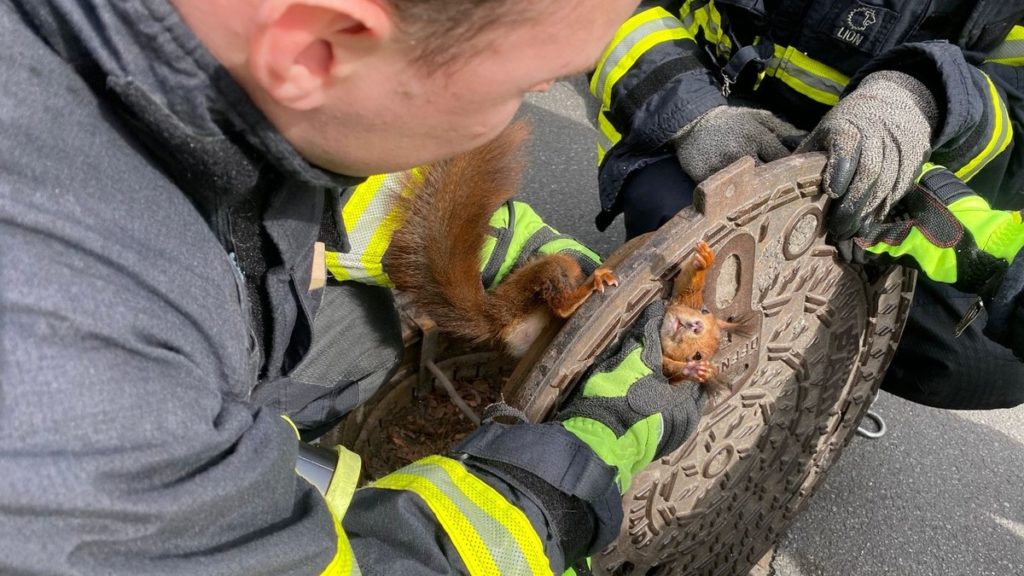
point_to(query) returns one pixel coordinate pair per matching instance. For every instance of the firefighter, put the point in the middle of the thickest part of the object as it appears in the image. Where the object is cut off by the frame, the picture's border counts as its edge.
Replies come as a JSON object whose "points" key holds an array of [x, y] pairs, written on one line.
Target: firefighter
{"points": [[891, 91], [168, 168]]}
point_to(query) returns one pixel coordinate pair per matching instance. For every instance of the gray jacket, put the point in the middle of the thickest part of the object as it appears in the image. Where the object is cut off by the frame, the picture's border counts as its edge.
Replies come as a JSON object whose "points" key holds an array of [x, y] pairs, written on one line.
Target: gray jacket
{"points": [[138, 431]]}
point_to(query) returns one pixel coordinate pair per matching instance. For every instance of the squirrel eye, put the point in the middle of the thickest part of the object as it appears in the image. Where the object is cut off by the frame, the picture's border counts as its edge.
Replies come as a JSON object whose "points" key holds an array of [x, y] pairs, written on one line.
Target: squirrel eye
{"points": [[703, 309], [697, 356]]}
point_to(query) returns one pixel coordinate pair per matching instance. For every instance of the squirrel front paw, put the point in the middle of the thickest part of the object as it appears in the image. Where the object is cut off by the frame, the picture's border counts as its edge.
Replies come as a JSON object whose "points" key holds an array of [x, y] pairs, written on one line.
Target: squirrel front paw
{"points": [[704, 258], [604, 277], [699, 371]]}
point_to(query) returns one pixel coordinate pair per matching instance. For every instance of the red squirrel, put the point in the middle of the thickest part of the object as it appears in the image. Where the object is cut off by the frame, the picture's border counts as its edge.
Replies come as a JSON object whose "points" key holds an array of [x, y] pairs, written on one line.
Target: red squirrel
{"points": [[690, 334], [434, 254]]}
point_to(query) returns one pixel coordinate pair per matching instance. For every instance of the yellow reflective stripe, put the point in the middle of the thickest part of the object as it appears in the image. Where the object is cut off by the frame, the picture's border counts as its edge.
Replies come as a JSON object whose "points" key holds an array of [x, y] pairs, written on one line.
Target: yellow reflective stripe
{"points": [[491, 535], [806, 75], [336, 267], [343, 482], [380, 239], [633, 54], [607, 136], [1002, 135], [625, 31], [292, 424], [706, 19], [371, 218], [1011, 51], [507, 515], [361, 197], [344, 562], [467, 541], [338, 497]]}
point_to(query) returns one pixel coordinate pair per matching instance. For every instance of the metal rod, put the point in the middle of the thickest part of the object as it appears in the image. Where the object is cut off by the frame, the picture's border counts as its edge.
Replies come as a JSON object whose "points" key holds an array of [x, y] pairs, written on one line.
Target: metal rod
{"points": [[452, 392]]}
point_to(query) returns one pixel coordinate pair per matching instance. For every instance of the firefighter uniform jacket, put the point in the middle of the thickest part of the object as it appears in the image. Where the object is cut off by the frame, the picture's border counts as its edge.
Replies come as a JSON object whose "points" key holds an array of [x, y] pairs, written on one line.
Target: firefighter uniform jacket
{"points": [[137, 333], [674, 60]]}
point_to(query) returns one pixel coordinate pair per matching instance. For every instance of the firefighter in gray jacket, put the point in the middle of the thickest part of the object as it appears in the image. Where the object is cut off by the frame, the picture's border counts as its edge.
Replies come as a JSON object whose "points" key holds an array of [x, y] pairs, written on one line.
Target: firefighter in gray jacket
{"points": [[167, 170], [892, 91]]}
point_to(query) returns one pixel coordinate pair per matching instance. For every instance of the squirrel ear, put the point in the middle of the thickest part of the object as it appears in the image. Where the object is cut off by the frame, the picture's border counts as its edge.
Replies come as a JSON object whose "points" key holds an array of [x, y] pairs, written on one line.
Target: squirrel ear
{"points": [[742, 326]]}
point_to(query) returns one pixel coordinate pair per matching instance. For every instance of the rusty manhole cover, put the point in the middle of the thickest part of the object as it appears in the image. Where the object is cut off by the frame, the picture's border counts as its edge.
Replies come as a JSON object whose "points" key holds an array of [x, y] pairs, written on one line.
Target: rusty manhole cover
{"points": [[799, 384]]}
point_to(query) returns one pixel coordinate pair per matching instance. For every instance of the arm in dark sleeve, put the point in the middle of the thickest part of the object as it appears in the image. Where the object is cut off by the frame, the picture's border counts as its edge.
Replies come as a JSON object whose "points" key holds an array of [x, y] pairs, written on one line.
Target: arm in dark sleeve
{"points": [[651, 81], [526, 499], [979, 138], [127, 445], [976, 125], [1006, 311]]}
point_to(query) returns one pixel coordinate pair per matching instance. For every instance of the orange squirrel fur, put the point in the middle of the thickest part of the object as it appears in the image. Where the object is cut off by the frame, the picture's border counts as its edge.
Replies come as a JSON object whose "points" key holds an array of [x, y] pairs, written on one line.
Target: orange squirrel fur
{"points": [[690, 334], [434, 254]]}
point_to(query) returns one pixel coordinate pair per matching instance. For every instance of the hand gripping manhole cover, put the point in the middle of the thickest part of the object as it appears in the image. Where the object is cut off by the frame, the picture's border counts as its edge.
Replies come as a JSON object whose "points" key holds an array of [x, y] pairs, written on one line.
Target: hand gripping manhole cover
{"points": [[799, 384]]}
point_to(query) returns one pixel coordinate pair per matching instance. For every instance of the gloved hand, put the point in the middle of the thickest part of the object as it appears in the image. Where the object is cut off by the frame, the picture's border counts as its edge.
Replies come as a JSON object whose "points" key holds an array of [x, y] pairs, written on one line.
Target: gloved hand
{"points": [[725, 134], [877, 137], [625, 410], [950, 234]]}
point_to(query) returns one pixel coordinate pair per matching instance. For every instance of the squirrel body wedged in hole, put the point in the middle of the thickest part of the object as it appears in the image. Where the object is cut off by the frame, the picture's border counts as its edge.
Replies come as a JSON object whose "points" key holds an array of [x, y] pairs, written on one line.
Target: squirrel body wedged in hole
{"points": [[690, 334], [434, 255]]}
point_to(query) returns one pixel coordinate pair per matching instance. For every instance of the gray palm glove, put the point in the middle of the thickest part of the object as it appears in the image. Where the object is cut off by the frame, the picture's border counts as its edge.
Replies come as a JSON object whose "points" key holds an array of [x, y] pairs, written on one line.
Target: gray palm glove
{"points": [[877, 138], [725, 134]]}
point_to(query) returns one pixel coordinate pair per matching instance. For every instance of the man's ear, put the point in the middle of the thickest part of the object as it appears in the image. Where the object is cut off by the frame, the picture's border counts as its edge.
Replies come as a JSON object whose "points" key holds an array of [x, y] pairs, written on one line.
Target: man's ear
{"points": [[299, 46]]}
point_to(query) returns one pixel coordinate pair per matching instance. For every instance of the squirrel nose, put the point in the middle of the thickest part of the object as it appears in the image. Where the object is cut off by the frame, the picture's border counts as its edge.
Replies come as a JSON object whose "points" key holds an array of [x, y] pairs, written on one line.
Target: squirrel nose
{"points": [[696, 326]]}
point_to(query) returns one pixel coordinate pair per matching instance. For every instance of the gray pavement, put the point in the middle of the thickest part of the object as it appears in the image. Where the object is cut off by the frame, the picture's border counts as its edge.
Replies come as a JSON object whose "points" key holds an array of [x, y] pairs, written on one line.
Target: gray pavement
{"points": [[941, 493]]}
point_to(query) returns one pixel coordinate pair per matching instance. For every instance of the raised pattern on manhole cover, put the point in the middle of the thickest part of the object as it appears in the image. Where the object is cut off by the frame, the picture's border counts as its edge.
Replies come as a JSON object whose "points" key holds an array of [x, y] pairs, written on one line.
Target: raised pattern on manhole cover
{"points": [[823, 333]]}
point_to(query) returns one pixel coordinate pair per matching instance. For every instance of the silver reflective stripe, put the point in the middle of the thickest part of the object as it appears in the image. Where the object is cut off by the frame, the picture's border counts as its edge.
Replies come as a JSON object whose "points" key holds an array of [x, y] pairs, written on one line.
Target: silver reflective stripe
{"points": [[379, 207], [603, 141], [499, 540], [689, 20], [367, 229], [795, 69], [1001, 133], [621, 49], [1011, 51]]}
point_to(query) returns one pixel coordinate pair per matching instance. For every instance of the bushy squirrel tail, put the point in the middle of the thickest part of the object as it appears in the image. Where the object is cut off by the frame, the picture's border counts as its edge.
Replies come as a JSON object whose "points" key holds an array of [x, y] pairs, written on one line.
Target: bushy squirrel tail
{"points": [[434, 254]]}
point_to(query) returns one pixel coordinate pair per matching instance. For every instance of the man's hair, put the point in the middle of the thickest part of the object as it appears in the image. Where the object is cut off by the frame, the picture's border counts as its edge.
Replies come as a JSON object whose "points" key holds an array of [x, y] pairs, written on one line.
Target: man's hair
{"points": [[444, 30]]}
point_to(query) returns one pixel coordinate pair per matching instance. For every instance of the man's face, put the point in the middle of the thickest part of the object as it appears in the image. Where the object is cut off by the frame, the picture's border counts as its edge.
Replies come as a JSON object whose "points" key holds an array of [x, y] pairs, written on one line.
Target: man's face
{"points": [[394, 114]]}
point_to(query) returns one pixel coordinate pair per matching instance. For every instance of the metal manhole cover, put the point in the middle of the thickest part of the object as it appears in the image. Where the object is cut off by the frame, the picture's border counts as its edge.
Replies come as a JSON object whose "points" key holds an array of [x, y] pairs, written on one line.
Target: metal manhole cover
{"points": [[825, 333]]}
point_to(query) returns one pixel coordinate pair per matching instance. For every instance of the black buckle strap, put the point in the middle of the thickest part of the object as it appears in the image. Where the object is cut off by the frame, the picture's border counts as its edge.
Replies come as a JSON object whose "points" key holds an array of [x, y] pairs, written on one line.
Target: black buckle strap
{"points": [[755, 55]]}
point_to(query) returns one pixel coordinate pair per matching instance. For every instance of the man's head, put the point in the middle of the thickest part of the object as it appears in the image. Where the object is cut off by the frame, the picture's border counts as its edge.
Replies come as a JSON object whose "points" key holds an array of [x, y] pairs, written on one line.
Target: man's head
{"points": [[371, 86]]}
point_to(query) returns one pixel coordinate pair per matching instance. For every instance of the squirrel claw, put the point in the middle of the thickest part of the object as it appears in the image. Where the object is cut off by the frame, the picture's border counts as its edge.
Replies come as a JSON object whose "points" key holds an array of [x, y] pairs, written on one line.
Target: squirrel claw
{"points": [[704, 258], [698, 371], [604, 277]]}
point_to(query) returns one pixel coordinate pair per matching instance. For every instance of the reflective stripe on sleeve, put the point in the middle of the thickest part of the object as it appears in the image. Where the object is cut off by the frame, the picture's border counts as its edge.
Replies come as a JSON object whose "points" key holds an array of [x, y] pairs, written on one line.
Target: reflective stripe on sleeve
{"points": [[621, 56], [638, 35], [607, 136], [491, 535], [344, 562], [703, 17], [338, 498], [1011, 51], [632, 39], [806, 75], [371, 218], [999, 139]]}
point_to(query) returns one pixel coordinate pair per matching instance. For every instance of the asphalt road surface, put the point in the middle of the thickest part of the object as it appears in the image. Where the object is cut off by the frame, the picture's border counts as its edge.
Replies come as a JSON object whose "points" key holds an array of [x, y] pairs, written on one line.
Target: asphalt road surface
{"points": [[941, 493]]}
